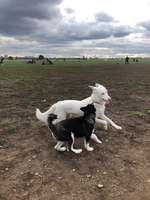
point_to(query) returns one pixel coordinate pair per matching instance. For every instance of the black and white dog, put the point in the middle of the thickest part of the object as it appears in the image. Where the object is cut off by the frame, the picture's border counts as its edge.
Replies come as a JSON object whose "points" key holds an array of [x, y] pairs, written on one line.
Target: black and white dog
{"points": [[66, 130], [70, 108]]}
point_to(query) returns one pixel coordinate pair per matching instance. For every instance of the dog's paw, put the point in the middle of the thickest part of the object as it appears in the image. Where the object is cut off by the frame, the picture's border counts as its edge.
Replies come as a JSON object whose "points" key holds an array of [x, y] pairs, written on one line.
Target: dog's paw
{"points": [[77, 151], [60, 148], [88, 148], [95, 138], [55, 147], [99, 141], [118, 127]]}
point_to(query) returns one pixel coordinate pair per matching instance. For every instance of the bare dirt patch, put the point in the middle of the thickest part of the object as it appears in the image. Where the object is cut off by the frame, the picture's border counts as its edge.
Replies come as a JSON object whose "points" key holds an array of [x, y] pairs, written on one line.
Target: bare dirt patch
{"points": [[30, 168]]}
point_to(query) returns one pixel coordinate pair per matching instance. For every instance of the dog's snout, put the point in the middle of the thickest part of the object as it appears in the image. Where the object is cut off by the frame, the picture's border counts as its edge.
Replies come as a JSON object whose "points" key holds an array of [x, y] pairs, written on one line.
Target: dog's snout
{"points": [[109, 100]]}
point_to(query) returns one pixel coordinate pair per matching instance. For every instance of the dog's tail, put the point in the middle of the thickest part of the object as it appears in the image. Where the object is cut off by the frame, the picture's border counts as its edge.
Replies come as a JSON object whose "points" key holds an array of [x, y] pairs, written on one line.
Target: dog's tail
{"points": [[44, 116], [41, 116]]}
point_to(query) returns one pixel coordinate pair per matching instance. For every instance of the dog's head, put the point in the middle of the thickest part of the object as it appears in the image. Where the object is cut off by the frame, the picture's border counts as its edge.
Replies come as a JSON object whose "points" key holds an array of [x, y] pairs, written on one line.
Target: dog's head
{"points": [[89, 113], [100, 94], [90, 108]]}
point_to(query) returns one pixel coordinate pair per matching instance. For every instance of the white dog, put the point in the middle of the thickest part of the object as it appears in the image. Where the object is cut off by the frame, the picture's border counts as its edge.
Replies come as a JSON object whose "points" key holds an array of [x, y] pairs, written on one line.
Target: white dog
{"points": [[64, 108]]}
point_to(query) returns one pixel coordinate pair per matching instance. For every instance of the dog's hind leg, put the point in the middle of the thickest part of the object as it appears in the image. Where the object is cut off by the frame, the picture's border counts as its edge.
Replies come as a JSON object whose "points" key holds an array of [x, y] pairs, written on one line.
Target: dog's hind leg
{"points": [[59, 147], [95, 138], [60, 116], [71, 143]]}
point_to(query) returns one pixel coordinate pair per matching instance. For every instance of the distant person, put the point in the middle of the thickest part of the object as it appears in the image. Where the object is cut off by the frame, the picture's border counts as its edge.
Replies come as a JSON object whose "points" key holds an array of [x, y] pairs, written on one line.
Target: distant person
{"points": [[1, 60], [126, 60]]}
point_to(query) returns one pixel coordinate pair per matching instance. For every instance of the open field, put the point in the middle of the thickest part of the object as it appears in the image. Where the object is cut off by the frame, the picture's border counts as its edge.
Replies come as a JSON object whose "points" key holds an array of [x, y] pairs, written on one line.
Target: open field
{"points": [[30, 168]]}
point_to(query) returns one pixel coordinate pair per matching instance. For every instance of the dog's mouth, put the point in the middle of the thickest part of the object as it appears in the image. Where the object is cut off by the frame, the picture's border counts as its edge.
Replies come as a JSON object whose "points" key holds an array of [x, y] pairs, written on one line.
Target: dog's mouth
{"points": [[107, 101]]}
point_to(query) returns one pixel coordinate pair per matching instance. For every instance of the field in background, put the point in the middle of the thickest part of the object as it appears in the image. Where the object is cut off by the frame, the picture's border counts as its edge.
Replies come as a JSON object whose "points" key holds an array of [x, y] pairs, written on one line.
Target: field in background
{"points": [[31, 169]]}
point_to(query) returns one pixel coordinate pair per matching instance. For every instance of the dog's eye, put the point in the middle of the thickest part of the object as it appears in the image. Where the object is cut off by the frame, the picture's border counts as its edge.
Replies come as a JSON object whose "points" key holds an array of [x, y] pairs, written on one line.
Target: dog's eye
{"points": [[103, 93]]}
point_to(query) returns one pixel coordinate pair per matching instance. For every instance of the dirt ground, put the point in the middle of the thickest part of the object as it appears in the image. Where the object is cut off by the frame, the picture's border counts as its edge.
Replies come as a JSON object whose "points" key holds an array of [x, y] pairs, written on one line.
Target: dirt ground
{"points": [[31, 169]]}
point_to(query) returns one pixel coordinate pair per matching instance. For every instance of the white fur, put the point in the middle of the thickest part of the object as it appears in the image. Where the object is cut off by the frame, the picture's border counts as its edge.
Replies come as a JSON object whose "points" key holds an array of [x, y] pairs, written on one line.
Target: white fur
{"points": [[95, 138], [77, 151], [87, 146], [99, 97], [59, 147]]}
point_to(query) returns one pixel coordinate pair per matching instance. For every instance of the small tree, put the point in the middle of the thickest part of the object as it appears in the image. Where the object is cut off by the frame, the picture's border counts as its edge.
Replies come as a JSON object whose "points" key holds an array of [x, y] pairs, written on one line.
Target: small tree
{"points": [[41, 57], [10, 58]]}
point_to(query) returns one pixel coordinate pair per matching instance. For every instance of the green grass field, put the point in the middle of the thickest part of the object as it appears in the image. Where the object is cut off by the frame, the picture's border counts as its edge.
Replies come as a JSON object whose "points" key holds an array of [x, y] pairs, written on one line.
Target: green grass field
{"points": [[20, 70]]}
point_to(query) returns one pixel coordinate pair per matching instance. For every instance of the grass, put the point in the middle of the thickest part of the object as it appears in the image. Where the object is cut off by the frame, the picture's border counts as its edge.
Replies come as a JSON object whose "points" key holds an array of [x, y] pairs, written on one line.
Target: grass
{"points": [[147, 111], [11, 131], [19, 72], [139, 114]]}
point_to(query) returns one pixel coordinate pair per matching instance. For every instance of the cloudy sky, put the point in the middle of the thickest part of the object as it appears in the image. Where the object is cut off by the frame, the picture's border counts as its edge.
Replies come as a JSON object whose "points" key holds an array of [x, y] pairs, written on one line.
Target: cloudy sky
{"points": [[65, 28]]}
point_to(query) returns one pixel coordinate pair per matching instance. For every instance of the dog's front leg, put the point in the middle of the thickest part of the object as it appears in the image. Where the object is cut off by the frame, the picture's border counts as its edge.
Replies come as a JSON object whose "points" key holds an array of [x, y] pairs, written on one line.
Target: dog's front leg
{"points": [[103, 122], [95, 138], [109, 121], [87, 145], [71, 143]]}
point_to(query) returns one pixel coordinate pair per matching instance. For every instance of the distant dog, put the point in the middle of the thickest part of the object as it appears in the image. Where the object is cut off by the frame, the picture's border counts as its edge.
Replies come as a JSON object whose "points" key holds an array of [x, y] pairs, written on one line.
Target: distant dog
{"points": [[66, 130], [64, 108]]}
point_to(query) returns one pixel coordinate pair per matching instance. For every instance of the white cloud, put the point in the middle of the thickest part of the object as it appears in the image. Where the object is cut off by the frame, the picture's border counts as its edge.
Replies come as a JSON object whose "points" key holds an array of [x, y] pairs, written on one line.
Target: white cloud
{"points": [[75, 28], [127, 12]]}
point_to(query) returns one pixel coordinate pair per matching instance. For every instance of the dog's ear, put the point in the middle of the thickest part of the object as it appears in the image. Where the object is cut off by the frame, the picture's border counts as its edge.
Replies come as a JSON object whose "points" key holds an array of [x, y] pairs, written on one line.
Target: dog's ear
{"points": [[82, 109], [55, 116], [92, 87]]}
